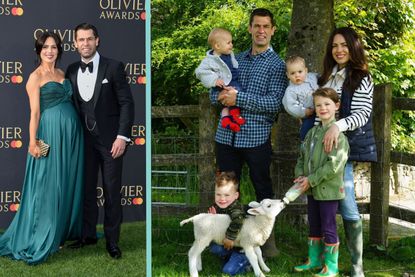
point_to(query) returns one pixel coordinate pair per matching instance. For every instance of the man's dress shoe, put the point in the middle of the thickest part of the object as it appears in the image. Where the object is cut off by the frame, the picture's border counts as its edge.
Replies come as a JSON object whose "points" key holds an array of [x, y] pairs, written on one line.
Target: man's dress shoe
{"points": [[83, 242], [114, 251]]}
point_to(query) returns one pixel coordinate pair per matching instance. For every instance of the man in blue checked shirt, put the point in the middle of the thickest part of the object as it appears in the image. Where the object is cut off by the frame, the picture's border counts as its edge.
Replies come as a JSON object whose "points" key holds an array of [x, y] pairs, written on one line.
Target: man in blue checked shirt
{"points": [[263, 80]]}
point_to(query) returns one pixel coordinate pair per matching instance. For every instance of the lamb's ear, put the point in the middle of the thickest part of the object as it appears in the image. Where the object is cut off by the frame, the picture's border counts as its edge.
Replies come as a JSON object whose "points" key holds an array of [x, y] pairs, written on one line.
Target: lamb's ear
{"points": [[254, 204], [256, 211], [253, 212]]}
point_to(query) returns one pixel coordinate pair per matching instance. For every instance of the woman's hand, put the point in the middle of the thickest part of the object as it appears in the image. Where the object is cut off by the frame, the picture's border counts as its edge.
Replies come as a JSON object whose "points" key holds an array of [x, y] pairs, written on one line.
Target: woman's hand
{"points": [[34, 150], [331, 138]]}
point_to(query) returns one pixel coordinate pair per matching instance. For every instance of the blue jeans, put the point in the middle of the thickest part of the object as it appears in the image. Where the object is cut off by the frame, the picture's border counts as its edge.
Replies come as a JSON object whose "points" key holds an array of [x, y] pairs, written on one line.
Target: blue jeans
{"points": [[306, 125], [237, 262], [348, 206]]}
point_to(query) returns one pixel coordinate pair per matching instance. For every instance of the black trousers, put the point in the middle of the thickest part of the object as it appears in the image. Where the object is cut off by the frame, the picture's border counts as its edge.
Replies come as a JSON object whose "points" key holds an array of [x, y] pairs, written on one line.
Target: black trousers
{"points": [[257, 158], [97, 156]]}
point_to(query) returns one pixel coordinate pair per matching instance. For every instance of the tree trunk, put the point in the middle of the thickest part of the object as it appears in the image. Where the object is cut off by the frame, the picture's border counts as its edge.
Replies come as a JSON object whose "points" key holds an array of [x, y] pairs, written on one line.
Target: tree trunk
{"points": [[311, 24]]}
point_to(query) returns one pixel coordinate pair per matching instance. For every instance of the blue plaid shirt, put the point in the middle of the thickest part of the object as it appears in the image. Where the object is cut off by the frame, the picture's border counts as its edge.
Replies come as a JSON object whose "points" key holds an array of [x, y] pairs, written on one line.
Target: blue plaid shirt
{"points": [[264, 81]]}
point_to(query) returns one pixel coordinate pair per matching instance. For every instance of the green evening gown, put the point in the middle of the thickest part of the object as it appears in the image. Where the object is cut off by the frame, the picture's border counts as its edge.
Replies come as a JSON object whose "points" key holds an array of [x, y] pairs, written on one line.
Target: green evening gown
{"points": [[50, 210]]}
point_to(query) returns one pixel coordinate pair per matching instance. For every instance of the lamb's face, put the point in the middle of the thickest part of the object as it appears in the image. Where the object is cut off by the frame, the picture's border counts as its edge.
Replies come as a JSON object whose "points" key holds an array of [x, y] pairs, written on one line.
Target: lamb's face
{"points": [[268, 207], [272, 207]]}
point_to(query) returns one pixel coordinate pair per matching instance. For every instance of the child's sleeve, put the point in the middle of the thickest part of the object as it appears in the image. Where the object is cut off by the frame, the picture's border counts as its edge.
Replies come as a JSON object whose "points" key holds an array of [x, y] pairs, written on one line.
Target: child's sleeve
{"points": [[206, 74], [292, 105], [299, 167], [237, 219]]}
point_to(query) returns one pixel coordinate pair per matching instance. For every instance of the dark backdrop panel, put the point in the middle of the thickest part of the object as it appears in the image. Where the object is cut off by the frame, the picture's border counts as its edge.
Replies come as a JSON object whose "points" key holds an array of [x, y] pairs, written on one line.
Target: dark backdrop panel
{"points": [[121, 26]]}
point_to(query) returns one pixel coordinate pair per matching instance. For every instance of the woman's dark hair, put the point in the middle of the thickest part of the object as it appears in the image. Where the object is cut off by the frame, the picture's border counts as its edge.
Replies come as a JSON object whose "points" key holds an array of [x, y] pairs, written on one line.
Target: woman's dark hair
{"points": [[356, 68], [40, 42]]}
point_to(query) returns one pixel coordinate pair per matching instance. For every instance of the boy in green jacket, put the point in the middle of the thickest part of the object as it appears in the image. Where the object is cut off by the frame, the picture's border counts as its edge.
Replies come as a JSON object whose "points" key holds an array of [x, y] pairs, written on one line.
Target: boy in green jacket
{"points": [[321, 175]]}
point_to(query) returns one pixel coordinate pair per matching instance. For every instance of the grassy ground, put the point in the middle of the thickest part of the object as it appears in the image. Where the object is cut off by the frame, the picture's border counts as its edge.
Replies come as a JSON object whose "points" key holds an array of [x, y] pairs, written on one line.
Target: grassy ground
{"points": [[171, 243], [90, 260]]}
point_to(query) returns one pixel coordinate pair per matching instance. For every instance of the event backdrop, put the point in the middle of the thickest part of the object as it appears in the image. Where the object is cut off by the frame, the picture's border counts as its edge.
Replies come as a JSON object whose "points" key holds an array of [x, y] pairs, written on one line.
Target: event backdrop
{"points": [[121, 26]]}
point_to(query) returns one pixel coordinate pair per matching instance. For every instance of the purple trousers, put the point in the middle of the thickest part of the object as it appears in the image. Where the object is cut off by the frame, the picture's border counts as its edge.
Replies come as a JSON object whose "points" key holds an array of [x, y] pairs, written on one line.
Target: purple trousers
{"points": [[322, 219]]}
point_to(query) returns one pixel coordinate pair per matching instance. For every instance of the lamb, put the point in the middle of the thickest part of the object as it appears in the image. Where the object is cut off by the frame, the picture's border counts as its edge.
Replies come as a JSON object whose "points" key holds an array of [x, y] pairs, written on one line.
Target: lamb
{"points": [[254, 232]]}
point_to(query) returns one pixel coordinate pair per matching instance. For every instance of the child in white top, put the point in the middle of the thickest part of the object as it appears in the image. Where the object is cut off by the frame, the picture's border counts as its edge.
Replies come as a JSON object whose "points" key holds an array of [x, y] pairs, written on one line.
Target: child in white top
{"points": [[220, 69], [298, 100]]}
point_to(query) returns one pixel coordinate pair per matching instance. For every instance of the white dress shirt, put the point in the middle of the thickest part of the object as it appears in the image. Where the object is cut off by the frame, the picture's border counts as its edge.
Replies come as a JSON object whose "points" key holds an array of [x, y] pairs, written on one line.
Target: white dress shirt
{"points": [[87, 80]]}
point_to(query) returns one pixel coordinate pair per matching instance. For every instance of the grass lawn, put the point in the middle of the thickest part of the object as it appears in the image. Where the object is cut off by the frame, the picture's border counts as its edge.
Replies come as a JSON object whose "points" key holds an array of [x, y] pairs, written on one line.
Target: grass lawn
{"points": [[170, 244], [90, 260]]}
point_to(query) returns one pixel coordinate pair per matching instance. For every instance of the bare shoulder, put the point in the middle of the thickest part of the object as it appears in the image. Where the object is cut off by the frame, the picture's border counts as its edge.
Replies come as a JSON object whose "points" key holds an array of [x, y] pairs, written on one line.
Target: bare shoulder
{"points": [[34, 79]]}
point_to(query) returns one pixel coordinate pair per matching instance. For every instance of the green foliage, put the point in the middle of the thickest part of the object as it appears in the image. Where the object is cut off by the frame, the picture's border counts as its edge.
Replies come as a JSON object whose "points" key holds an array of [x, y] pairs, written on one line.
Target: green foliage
{"points": [[387, 29], [403, 250]]}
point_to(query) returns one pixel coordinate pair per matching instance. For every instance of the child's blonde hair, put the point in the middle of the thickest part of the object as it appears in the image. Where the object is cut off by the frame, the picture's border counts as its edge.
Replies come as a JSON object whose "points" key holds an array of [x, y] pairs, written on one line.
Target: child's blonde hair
{"points": [[294, 59], [215, 34]]}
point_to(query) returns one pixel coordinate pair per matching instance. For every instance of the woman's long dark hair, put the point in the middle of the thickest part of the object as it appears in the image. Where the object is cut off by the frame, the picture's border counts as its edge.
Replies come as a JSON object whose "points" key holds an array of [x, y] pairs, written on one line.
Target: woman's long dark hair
{"points": [[356, 68], [40, 41]]}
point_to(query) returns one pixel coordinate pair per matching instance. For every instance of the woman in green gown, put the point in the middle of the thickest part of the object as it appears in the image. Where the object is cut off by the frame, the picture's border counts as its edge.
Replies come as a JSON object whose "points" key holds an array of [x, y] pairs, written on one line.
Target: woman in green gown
{"points": [[50, 210]]}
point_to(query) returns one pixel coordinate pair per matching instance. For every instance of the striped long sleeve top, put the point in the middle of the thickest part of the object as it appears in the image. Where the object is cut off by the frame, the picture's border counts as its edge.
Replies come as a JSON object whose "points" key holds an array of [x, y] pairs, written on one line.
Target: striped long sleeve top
{"points": [[361, 106]]}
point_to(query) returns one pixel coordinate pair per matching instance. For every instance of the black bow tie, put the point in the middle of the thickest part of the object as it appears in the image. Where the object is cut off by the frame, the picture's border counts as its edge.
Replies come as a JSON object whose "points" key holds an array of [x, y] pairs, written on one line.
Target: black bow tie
{"points": [[89, 65]]}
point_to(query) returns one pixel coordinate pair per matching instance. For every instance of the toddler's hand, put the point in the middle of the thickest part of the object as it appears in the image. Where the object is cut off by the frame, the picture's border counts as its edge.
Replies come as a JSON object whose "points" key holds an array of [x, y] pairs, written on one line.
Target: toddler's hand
{"points": [[220, 83], [309, 112], [227, 244], [212, 210]]}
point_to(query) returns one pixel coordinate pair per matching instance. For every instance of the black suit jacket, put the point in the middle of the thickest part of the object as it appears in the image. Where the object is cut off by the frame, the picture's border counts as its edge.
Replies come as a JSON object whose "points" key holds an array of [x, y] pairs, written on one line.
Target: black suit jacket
{"points": [[113, 102]]}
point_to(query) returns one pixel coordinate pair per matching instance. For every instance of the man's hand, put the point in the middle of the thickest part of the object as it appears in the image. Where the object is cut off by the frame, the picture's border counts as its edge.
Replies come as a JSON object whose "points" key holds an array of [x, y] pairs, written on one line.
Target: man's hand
{"points": [[118, 148], [228, 96], [212, 210], [331, 138], [227, 244]]}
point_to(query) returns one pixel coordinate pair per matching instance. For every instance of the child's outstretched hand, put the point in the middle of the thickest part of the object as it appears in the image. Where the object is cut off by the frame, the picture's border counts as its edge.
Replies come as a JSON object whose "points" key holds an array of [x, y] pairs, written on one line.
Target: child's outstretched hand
{"points": [[212, 210], [220, 83], [227, 244]]}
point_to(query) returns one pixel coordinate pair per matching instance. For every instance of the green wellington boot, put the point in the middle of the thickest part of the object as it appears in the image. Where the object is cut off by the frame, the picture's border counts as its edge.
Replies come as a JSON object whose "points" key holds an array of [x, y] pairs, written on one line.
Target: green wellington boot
{"points": [[315, 250], [331, 257], [354, 241]]}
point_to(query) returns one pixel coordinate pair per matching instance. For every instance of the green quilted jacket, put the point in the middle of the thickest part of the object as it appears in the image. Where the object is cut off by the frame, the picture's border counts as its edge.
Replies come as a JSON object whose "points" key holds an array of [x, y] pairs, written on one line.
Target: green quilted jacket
{"points": [[324, 171]]}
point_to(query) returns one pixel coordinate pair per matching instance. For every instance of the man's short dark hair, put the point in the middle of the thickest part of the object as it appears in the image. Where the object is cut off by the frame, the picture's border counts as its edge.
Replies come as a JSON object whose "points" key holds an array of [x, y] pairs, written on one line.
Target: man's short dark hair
{"points": [[87, 26], [261, 12]]}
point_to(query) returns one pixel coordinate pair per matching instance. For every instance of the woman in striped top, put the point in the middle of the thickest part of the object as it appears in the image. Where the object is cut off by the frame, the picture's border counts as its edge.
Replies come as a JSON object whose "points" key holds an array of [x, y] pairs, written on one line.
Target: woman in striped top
{"points": [[346, 71]]}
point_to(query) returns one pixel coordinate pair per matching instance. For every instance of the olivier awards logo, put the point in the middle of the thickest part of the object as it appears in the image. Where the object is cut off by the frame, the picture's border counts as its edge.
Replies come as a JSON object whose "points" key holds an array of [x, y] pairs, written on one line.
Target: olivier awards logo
{"points": [[11, 7], [66, 35], [138, 134], [122, 10], [9, 200], [131, 195], [10, 137], [136, 73], [11, 72]]}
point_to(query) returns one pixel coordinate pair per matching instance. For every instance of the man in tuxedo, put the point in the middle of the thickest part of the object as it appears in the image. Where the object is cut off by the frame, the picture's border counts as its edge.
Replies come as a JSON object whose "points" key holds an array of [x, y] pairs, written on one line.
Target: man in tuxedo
{"points": [[103, 98]]}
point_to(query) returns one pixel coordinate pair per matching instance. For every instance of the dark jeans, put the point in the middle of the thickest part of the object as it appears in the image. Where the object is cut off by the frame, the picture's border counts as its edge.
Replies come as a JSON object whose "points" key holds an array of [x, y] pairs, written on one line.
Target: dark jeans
{"points": [[322, 219], [306, 124], [258, 159], [235, 262]]}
